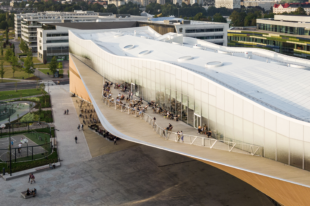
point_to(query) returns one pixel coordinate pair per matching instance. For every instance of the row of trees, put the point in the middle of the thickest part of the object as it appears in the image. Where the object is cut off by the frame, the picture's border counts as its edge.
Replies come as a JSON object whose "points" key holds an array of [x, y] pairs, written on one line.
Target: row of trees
{"points": [[6, 20], [248, 17]]}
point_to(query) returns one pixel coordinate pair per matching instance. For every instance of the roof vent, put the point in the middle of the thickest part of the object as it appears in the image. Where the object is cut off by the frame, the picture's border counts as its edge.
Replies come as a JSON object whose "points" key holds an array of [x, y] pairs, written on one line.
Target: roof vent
{"points": [[213, 64], [197, 46], [118, 35], [128, 47], [145, 52], [185, 58]]}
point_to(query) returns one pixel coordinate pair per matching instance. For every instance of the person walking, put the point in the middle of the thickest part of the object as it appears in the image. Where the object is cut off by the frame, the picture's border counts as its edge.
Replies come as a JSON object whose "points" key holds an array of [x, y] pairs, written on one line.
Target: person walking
{"points": [[82, 126], [67, 111], [78, 127], [12, 142], [32, 179], [19, 147], [115, 141], [76, 139], [29, 177], [154, 121], [182, 136], [178, 135]]}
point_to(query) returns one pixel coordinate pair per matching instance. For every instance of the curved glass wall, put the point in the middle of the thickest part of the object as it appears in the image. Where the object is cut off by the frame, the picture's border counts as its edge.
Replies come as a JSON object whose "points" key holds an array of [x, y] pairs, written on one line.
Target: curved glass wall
{"points": [[200, 101]]}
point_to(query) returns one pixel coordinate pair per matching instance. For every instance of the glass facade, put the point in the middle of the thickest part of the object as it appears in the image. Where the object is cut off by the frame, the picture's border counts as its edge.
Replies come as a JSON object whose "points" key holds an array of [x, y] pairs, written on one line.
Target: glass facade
{"points": [[292, 46], [283, 29], [197, 100]]}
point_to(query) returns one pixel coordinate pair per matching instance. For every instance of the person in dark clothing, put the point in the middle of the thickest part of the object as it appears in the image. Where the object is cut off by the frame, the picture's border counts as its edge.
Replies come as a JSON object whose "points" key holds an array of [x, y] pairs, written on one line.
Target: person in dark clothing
{"points": [[76, 139], [115, 141]]}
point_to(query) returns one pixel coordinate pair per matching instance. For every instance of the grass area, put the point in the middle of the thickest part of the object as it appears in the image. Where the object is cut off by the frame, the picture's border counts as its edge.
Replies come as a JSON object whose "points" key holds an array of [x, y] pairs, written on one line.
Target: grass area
{"points": [[19, 74], [45, 71], [19, 166], [7, 81], [35, 60], [20, 93], [46, 116], [43, 130], [38, 138], [41, 65]]}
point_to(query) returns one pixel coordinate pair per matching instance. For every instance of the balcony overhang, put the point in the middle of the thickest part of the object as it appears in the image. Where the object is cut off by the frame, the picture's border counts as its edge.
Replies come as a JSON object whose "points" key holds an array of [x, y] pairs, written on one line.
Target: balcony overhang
{"points": [[286, 184]]}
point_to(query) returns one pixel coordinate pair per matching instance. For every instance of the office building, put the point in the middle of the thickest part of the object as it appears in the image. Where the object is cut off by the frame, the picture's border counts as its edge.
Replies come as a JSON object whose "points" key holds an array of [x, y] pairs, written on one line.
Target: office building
{"points": [[254, 103], [286, 34], [267, 5], [26, 24], [229, 4], [52, 38]]}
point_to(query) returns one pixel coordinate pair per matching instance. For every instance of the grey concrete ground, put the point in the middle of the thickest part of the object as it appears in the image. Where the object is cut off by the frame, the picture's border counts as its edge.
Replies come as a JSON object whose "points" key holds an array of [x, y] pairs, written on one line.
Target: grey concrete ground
{"points": [[136, 176], [67, 126]]}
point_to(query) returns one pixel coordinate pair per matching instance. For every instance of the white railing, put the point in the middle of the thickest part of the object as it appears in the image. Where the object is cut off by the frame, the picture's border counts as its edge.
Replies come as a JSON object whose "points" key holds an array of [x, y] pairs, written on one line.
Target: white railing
{"points": [[203, 141]]}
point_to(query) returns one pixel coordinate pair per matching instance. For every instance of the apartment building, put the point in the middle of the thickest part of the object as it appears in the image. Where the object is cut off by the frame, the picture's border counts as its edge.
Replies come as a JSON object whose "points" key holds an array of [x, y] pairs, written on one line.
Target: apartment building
{"points": [[290, 7], [26, 25]]}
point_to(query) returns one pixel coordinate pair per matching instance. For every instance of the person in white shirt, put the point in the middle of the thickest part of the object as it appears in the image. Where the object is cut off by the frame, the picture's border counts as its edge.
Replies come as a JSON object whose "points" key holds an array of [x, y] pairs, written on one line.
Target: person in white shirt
{"points": [[19, 147]]}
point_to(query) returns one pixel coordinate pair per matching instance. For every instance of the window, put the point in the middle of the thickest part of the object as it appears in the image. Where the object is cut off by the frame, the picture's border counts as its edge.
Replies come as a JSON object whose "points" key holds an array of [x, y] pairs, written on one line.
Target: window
{"points": [[59, 34], [190, 31], [180, 30], [218, 29], [57, 41], [40, 34]]}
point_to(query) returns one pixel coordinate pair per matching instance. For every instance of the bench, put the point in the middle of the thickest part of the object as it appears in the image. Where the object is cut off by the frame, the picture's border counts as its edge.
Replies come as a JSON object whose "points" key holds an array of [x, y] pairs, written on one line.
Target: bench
{"points": [[25, 196]]}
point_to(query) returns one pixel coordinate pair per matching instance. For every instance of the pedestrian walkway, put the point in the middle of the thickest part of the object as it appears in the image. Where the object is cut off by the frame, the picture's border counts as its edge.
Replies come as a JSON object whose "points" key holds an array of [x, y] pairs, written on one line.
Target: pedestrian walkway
{"points": [[66, 126]]}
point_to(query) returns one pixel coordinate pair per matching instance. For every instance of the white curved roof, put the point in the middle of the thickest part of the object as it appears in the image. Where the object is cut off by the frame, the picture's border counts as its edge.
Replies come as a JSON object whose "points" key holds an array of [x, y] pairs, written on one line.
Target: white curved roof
{"points": [[278, 87]]}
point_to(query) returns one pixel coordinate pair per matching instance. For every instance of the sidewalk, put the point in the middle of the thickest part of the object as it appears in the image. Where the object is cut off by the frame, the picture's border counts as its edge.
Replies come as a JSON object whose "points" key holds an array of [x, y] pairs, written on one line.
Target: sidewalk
{"points": [[69, 152]]}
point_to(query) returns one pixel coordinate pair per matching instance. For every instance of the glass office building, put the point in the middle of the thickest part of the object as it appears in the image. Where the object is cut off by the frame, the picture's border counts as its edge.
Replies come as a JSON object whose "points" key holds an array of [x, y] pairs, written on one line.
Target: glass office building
{"points": [[288, 35]]}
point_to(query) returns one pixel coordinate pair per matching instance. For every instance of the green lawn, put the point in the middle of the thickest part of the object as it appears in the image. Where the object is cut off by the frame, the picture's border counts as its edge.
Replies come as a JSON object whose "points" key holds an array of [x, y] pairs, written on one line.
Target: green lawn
{"points": [[7, 81], [38, 138], [20, 93], [47, 70], [19, 74], [41, 65], [35, 60]]}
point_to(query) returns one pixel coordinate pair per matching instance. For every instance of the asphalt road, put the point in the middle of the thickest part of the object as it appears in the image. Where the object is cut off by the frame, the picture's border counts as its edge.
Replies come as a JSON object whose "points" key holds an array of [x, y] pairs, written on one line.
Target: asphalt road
{"points": [[26, 85]]}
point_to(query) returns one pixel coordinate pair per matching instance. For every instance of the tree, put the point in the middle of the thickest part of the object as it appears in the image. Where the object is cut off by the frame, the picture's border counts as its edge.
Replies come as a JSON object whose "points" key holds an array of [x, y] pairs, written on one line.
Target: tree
{"points": [[300, 11], [14, 62], [53, 65], [8, 55], [219, 18], [237, 18], [28, 65], [23, 46], [2, 70], [7, 35]]}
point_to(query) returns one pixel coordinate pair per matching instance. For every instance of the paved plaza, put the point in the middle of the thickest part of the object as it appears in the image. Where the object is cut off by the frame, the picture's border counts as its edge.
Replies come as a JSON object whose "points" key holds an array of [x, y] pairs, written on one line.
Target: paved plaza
{"points": [[96, 172], [139, 175]]}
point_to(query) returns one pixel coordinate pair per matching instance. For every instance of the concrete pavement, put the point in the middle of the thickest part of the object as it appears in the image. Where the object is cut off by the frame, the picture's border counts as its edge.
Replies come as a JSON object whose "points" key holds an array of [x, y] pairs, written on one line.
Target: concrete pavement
{"points": [[67, 126]]}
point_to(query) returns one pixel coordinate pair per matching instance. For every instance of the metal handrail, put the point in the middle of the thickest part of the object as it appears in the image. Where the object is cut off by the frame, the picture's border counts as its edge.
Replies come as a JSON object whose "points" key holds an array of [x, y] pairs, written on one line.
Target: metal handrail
{"points": [[196, 140]]}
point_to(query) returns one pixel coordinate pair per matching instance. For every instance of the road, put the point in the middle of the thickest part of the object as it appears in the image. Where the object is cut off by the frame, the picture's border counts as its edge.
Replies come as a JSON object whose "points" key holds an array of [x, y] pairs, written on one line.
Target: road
{"points": [[26, 85]]}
